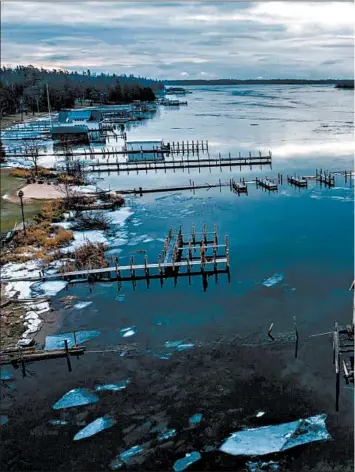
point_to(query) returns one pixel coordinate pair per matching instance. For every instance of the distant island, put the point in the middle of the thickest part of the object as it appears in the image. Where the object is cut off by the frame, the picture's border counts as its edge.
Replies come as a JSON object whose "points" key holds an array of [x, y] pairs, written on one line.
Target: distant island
{"points": [[348, 83]]}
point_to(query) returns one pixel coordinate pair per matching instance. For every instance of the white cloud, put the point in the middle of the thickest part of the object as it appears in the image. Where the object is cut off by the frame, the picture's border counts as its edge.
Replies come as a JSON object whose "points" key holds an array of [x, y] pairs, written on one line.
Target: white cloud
{"points": [[155, 39]]}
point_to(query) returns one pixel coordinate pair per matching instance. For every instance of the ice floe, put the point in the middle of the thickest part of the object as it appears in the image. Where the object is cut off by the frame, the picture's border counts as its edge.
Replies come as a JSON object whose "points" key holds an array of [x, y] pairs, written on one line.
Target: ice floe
{"points": [[76, 397], [3, 420], [49, 288], [57, 341], [170, 433], [276, 438], [196, 418], [126, 457], [173, 343], [114, 387], [182, 464], [58, 422], [128, 332], [184, 347], [276, 278], [81, 305], [260, 414], [95, 427], [5, 373]]}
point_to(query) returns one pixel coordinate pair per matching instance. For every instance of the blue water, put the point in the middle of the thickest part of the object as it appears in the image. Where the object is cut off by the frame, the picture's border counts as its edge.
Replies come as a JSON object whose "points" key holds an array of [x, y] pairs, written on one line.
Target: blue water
{"points": [[306, 235]]}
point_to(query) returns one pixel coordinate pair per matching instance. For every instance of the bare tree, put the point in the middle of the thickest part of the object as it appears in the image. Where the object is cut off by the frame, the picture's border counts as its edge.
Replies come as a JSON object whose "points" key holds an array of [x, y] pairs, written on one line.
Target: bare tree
{"points": [[32, 149]]}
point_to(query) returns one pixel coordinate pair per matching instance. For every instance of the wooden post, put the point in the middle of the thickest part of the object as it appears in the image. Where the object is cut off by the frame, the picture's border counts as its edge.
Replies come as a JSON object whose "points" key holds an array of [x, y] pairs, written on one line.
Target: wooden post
{"points": [[204, 234], [75, 341], [296, 333], [67, 354], [227, 251], [269, 332], [337, 367]]}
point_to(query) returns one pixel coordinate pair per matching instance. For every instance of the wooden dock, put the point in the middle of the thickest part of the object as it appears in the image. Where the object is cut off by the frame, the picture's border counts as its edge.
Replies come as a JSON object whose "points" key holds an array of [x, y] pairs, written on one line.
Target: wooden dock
{"points": [[297, 181], [180, 164], [267, 184], [325, 177], [31, 354], [179, 252], [239, 187], [343, 356]]}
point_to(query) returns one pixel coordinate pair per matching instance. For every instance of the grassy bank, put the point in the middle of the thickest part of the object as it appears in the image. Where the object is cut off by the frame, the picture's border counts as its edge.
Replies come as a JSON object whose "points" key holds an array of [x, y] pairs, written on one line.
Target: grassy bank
{"points": [[11, 212]]}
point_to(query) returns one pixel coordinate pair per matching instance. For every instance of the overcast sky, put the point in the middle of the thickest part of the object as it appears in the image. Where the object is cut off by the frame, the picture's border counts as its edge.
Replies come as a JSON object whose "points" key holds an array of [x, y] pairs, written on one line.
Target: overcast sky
{"points": [[183, 40]]}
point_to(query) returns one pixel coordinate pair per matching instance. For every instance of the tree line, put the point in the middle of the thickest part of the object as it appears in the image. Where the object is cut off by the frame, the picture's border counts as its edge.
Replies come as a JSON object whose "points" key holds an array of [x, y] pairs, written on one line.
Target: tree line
{"points": [[258, 82], [25, 87]]}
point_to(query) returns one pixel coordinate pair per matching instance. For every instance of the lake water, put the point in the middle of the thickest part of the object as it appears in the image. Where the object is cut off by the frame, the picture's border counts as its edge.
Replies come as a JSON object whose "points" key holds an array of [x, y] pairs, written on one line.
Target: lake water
{"points": [[305, 235]]}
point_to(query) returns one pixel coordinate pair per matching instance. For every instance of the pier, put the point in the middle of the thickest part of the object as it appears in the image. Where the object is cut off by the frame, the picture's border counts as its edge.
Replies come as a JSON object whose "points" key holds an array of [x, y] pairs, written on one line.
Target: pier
{"points": [[326, 178], [297, 181], [239, 187], [343, 356], [181, 164], [31, 354], [180, 251], [267, 184]]}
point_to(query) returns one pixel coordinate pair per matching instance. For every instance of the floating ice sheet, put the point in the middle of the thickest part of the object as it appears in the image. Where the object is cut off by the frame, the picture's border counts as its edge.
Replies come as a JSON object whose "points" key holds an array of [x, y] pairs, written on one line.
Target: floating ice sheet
{"points": [[76, 397], [5, 374], [115, 387], [173, 343], [81, 305], [3, 420], [182, 464], [58, 422], [57, 341], [184, 347], [275, 279], [49, 288], [167, 435], [196, 418], [95, 427], [120, 298], [260, 414], [126, 457], [128, 332], [269, 439]]}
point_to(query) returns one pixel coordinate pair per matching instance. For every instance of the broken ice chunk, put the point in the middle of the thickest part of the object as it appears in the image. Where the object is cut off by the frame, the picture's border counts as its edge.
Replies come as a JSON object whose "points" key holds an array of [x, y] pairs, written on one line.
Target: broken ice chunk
{"points": [[167, 435], [128, 332], [260, 414], [196, 418], [115, 387], [57, 422], [183, 347], [182, 464], [76, 397], [276, 438], [95, 427], [5, 374], [173, 343], [81, 305], [3, 420], [276, 278], [120, 298], [126, 457], [57, 341]]}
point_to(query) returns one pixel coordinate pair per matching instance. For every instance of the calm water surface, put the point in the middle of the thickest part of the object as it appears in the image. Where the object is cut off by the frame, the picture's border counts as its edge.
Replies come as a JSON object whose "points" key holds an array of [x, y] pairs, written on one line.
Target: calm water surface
{"points": [[306, 235]]}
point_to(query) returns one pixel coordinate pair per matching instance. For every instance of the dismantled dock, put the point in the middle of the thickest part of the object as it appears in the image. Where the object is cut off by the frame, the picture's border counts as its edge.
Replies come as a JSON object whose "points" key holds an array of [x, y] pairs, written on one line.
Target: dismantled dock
{"points": [[180, 251], [343, 356], [267, 184], [297, 181]]}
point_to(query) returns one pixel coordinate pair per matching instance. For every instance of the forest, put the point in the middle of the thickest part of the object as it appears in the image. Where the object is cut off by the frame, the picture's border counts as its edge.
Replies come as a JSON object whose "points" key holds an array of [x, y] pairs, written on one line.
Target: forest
{"points": [[260, 82], [25, 87]]}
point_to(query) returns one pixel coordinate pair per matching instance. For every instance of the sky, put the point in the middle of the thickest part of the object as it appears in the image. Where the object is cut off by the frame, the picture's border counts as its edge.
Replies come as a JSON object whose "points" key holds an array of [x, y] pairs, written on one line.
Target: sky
{"points": [[186, 40]]}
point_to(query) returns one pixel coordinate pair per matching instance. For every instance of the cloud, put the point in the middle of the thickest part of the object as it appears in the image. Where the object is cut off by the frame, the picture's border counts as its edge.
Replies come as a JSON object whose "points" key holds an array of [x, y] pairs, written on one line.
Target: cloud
{"points": [[241, 40]]}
